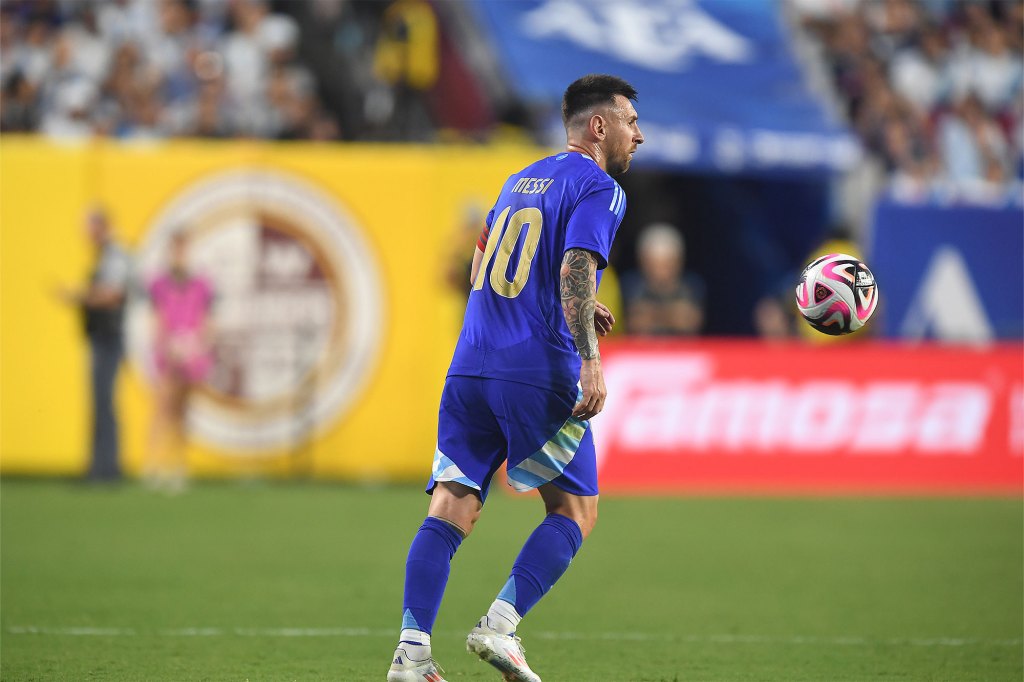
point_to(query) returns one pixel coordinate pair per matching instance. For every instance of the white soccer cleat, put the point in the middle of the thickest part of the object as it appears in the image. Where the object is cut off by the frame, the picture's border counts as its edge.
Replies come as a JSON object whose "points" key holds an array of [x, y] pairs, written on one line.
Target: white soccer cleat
{"points": [[504, 652], [405, 669]]}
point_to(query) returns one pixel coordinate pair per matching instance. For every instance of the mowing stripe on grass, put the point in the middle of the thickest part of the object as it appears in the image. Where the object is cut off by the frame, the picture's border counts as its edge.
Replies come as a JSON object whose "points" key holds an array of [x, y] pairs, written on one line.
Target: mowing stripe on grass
{"points": [[74, 631]]}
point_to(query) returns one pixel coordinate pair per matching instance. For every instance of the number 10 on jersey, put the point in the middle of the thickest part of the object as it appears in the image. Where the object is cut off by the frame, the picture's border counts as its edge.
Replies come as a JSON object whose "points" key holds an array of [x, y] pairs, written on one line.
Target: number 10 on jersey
{"points": [[503, 240]]}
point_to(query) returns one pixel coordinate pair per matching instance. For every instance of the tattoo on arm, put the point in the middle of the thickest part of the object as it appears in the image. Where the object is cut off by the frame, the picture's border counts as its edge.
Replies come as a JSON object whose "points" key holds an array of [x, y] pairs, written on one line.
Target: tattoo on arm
{"points": [[579, 297]]}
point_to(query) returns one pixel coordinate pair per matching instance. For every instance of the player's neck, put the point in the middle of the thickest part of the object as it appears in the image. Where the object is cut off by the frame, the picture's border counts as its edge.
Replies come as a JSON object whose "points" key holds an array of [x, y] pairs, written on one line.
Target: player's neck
{"points": [[592, 152]]}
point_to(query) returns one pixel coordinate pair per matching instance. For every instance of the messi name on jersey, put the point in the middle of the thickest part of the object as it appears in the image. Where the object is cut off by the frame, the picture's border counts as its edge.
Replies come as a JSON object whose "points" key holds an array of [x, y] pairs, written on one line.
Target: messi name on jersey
{"points": [[532, 185]]}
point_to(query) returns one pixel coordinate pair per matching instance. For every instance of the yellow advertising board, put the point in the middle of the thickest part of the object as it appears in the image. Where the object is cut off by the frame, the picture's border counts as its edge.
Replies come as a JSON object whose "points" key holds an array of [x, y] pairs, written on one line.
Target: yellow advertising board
{"points": [[336, 270]]}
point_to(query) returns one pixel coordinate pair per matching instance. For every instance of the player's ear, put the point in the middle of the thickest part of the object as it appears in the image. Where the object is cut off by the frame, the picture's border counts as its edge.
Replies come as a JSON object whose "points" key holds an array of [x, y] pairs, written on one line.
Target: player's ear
{"points": [[598, 126]]}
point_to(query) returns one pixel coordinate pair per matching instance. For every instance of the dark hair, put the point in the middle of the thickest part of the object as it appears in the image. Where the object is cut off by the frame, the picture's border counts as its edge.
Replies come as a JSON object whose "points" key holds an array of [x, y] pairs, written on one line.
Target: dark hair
{"points": [[586, 92]]}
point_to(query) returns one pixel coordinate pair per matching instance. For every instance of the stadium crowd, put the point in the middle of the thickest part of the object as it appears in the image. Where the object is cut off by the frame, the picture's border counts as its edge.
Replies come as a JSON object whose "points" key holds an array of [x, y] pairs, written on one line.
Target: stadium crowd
{"points": [[932, 87], [325, 69]]}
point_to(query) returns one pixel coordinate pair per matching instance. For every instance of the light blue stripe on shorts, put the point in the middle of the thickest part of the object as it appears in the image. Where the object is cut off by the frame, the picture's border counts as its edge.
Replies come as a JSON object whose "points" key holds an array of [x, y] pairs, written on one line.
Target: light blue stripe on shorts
{"points": [[550, 461], [444, 469]]}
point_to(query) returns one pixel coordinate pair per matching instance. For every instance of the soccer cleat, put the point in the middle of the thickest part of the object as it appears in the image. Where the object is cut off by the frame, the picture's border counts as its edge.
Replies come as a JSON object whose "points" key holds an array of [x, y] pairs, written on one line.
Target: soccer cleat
{"points": [[405, 669], [504, 652]]}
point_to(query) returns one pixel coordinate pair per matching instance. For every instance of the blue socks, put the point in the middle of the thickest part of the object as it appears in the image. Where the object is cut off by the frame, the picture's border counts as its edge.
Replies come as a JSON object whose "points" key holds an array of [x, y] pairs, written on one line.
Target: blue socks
{"points": [[542, 561], [547, 553], [426, 573]]}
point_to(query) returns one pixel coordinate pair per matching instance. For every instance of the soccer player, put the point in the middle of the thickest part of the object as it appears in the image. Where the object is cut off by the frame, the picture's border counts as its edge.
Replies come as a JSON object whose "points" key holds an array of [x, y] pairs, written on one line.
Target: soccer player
{"points": [[526, 378]]}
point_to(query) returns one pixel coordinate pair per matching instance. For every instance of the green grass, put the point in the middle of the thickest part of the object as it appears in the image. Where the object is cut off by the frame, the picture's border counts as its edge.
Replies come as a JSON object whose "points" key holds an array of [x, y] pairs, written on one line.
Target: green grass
{"points": [[689, 589]]}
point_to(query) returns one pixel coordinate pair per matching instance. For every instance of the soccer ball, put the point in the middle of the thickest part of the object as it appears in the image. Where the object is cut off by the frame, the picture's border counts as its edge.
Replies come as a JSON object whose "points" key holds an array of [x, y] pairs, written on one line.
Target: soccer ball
{"points": [[836, 294]]}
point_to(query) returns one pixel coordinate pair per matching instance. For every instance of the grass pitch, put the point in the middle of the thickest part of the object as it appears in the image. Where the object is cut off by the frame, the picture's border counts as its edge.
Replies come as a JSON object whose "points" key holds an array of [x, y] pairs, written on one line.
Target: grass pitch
{"points": [[303, 582]]}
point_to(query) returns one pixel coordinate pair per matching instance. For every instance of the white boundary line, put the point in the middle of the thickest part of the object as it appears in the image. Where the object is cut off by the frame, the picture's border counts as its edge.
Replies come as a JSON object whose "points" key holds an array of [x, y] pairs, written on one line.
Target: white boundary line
{"points": [[73, 631]]}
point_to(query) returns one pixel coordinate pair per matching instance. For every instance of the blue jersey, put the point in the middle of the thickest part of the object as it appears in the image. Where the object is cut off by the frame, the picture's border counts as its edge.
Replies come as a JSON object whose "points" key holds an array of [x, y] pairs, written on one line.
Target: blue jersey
{"points": [[514, 328]]}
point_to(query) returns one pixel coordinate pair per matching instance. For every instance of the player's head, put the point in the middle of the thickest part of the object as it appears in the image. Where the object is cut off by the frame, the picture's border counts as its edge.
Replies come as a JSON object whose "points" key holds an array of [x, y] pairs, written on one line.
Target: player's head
{"points": [[598, 109]]}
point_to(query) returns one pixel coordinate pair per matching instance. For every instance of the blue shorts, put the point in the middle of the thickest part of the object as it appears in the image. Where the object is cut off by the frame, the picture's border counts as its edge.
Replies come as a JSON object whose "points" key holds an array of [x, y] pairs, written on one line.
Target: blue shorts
{"points": [[484, 422]]}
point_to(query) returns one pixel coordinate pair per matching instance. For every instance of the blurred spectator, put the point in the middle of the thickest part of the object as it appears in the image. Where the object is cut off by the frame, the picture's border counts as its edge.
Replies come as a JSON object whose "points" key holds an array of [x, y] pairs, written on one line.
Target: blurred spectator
{"points": [[181, 302], [848, 56], [67, 92], [121, 21], [659, 299], [127, 82], [972, 143], [27, 41], [171, 57], [69, 110], [908, 155], [209, 114], [407, 61], [893, 25], [247, 65], [921, 72], [17, 108], [773, 319], [101, 302], [86, 45]]}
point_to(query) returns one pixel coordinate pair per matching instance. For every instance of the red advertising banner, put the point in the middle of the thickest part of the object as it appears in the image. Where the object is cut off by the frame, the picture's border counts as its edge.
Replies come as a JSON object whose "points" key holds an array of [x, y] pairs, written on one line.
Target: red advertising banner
{"points": [[745, 416]]}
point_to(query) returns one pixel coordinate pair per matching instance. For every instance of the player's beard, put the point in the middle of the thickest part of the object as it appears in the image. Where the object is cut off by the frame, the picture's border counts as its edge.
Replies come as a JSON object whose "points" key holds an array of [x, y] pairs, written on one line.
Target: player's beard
{"points": [[620, 165]]}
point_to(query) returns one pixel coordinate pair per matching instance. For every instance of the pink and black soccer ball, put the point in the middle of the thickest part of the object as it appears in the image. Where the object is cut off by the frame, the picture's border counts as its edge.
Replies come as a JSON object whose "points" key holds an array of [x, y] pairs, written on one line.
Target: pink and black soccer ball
{"points": [[836, 294]]}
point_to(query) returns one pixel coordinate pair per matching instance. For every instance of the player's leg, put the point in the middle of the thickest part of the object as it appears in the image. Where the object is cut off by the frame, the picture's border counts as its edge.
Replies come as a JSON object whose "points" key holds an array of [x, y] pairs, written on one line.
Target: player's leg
{"points": [[544, 558], [456, 503], [564, 470], [580, 508], [454, 509], [458, 487]]}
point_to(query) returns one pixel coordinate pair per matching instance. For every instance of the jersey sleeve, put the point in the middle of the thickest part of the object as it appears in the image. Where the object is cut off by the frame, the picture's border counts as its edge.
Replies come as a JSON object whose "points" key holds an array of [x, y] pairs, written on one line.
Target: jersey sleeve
{"points": [[595, 219], [481, 242]]}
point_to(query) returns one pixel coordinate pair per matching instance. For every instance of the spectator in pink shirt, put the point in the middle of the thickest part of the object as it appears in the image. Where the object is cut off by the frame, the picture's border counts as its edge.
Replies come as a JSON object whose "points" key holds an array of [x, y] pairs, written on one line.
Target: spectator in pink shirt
{"points": [[182, 302]]}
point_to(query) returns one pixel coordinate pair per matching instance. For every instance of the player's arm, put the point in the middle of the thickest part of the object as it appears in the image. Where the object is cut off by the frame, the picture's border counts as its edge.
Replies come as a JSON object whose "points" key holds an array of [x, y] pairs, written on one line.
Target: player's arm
{"points": [[579, 301]]}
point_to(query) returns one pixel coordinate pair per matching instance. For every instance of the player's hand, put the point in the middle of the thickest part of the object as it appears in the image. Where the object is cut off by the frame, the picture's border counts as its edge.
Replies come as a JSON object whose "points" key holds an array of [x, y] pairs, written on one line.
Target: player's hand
{"points": [[594, 391], [603, 318]]}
